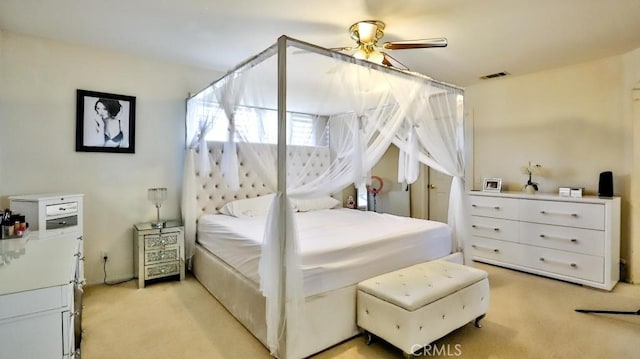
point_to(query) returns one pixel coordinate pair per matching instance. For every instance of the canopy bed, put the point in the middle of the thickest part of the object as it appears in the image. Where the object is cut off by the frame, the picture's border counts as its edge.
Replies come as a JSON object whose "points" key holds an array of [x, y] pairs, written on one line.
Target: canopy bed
{"points": [[268, 145]]}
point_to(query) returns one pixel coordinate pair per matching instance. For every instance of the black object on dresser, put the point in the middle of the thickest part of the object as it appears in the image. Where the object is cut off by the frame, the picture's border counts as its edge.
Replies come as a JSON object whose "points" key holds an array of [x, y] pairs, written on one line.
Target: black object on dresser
{"points": [[605, 186]]}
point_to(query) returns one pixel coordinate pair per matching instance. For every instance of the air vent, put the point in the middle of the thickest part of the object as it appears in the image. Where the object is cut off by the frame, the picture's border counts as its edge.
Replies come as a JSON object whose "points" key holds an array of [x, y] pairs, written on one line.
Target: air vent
{"points": [[493, 76]]}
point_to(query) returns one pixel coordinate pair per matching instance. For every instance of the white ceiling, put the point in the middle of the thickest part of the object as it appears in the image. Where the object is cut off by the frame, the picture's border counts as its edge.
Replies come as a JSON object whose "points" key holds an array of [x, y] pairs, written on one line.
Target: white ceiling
{"points": [[485, 36]]}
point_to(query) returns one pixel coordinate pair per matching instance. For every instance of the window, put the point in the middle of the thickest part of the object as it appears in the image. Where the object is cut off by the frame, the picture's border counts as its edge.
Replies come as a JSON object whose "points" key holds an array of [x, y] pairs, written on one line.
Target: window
{"points": [[261, 126]]}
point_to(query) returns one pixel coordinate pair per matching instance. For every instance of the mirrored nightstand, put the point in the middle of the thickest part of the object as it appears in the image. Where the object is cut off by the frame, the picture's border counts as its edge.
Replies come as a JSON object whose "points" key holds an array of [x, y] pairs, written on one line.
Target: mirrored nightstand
{"points": [[158, 252]]}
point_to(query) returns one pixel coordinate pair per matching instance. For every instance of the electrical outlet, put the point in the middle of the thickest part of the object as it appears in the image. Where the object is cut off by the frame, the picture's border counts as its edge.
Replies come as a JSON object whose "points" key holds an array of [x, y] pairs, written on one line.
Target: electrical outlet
{"points": [[104, 255]]}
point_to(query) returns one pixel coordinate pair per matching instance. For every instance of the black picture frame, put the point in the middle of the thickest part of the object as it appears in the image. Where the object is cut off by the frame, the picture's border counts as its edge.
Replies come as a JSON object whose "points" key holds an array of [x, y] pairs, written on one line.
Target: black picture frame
{"points": [[105, 122]]}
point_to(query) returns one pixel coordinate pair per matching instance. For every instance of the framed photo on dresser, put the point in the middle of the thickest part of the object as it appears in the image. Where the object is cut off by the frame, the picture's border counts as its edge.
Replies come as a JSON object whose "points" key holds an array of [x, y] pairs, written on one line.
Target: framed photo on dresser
{"points": [[492, 184], [105, 122]]}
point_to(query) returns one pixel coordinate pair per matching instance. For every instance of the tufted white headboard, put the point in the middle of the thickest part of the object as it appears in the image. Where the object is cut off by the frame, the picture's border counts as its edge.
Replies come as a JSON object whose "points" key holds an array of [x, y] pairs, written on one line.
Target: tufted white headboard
{"points": [[212, 192]]}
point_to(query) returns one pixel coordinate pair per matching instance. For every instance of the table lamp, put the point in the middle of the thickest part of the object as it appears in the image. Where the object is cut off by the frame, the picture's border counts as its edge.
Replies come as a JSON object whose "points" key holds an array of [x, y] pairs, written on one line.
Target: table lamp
{"points": [[157, 196]]}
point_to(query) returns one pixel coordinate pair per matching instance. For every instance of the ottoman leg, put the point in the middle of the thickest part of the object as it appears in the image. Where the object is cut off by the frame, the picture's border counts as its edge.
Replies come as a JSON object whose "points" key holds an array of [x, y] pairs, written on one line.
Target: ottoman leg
{"points": [[478, 319]]}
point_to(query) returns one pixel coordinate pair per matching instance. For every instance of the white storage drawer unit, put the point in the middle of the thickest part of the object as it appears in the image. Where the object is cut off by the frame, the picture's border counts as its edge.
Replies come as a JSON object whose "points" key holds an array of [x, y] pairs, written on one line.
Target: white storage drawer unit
{"points": [[52, 214], [573, 239]]}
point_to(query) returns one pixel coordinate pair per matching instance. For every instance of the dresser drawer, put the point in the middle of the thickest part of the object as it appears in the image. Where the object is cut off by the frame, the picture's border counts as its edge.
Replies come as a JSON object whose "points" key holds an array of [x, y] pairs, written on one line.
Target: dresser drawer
{"points": [[506, 252], [161, 240], [32, 301], [486, 206], [579, 240], [502, 229], [162, 255], [162, 270], [61, 209], [575, 265], [582, 215]]}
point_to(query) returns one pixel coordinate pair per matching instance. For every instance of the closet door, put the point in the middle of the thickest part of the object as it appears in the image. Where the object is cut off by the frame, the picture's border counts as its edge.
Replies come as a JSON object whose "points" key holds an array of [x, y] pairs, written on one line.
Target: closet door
{"points": [[439, 186]]}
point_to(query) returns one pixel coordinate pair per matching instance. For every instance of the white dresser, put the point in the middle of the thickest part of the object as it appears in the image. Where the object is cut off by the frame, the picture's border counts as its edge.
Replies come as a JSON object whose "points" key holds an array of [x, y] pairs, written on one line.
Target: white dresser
{"points": [[572, 239], [39, 307]]}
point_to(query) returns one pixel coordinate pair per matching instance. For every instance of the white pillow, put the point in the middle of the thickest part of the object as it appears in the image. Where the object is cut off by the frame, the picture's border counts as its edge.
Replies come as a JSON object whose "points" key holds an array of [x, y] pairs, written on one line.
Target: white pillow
{"points": [[314, 204], [249, 207]]}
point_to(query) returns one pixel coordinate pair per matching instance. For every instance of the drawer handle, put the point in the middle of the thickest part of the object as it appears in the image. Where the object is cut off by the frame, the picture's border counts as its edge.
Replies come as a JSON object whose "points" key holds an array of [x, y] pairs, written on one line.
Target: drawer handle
{"points": [[496, 250], [572, 240], [497, 208], [483, 227], [560, 213], [572, 265]]}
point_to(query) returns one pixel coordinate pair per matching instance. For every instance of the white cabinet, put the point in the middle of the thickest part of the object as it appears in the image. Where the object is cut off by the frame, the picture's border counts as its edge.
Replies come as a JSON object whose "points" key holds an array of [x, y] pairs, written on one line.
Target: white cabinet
{"points": [[38, 310], [51, 214], [572, 239]]}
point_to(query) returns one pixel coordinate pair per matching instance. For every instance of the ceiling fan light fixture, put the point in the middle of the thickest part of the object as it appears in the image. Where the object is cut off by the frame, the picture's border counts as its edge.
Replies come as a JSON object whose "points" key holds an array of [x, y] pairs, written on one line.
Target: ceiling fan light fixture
{"points": [[361, 55], [368, 54], [367, 32], [376, 57]]}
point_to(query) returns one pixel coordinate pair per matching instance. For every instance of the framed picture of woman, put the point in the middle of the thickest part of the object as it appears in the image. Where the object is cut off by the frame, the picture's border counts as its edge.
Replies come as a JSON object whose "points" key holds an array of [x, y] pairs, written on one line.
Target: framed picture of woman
{"points": [[105, 122]]}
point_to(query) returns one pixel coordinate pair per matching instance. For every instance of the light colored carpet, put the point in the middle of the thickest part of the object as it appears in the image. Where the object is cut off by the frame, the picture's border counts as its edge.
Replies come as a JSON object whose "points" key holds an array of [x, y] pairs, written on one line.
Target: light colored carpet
{"points": [[529, 317]]}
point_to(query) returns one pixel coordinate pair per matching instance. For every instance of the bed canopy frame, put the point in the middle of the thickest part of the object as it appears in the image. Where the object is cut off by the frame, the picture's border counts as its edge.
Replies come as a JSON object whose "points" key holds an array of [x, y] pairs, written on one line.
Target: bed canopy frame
{"points": [[360, 107]]}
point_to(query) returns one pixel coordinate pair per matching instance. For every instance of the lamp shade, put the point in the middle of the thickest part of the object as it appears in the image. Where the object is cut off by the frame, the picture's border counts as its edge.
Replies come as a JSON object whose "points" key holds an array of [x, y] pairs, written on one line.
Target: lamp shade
{"points": [[157, 195]]}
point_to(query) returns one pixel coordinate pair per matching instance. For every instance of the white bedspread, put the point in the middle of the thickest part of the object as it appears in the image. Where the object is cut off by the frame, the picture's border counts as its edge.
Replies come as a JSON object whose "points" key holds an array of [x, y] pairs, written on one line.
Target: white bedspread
{"points": [[340, 247]]}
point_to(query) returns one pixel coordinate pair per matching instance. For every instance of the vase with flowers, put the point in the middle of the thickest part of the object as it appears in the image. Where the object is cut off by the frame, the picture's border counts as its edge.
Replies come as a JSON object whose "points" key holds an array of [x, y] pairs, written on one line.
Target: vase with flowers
{"points": [[531, 187]]}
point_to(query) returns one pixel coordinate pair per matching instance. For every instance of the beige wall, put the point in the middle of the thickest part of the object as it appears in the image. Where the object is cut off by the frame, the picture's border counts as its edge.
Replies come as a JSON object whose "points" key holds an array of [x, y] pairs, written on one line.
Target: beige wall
{"points": [[575, 121], [38, 82]]}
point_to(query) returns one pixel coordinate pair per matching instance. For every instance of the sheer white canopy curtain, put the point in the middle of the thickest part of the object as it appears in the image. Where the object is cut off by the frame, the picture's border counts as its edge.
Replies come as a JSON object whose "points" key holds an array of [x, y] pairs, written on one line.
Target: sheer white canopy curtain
{"points": [[296, 94]]}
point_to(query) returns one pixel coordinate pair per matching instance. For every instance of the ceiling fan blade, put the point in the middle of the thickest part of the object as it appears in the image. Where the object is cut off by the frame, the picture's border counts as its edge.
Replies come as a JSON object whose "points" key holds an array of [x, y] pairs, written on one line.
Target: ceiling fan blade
{"points": [[338, 49], [415, 44], [345, 48], [393, 62]]}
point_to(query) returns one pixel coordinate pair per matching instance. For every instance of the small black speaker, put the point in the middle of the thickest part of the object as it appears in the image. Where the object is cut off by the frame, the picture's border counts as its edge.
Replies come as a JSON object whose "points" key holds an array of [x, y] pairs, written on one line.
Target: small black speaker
{"points": [[605, 186]]}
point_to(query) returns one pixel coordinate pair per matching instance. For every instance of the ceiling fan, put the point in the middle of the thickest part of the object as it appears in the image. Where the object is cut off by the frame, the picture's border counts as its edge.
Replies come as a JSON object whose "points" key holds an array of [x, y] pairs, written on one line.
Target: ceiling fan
{"points": [[366, 35]]}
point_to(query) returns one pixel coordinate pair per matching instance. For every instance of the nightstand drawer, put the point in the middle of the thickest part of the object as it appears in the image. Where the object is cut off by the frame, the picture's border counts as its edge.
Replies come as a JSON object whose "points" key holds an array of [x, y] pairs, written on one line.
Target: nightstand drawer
{"points": [[155, 241], [162, 255], [162, 270]]}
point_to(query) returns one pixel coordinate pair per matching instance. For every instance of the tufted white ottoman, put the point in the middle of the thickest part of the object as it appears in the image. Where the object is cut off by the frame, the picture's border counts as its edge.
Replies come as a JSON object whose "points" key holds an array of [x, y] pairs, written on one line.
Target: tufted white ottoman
{"points": [[413, 306]]}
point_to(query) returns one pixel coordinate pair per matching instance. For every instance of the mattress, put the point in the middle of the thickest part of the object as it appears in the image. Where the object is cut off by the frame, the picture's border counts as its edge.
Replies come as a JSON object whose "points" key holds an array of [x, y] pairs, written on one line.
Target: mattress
{"points": [[339, 247]]}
